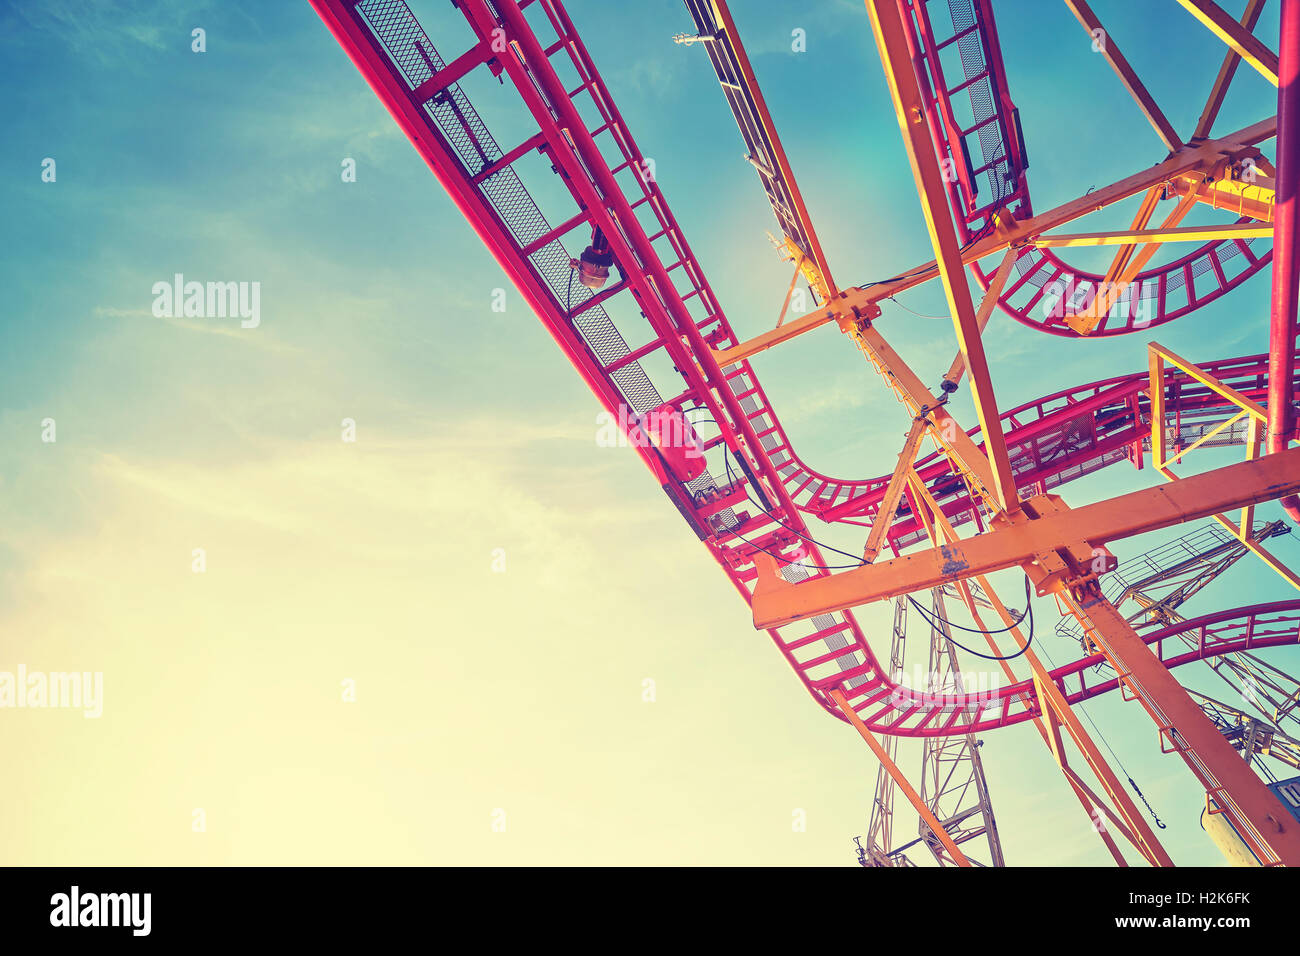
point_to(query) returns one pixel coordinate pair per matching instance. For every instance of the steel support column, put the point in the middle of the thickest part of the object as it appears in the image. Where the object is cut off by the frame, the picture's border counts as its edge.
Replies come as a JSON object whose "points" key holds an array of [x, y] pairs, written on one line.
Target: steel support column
{"points": [[1286, 238], [900, 74], [1259, 816]]}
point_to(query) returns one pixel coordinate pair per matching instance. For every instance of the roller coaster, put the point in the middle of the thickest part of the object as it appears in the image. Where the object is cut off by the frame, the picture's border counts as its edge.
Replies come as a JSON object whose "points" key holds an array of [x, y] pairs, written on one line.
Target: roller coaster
{"points": [[658, 352]]}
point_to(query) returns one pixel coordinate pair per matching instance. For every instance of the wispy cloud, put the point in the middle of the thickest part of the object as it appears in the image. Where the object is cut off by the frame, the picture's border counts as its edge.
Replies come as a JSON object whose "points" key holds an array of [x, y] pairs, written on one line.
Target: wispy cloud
{"points": [[254, 338], [107, 31]]}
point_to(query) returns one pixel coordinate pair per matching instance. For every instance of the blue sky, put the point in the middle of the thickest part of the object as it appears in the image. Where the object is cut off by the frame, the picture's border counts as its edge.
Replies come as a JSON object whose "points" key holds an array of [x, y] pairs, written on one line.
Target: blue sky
{"points": [[475, 434]]}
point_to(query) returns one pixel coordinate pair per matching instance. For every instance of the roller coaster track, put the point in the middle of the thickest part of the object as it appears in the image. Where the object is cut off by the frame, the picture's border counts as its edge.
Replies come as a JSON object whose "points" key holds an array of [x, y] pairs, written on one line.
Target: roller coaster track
{"points": [[905, 714], [975, 104], [665, 306], [978, 129], [1052, 440]]}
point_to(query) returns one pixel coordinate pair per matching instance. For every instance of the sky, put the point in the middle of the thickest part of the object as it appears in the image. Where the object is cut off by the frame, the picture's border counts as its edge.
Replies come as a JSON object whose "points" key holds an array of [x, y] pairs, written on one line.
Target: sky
{"points": [[431, 643]]}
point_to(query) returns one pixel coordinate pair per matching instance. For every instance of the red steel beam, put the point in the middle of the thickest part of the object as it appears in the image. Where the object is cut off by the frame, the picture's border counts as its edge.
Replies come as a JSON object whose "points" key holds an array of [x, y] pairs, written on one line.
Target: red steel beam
{"points": [[1286, 235]]}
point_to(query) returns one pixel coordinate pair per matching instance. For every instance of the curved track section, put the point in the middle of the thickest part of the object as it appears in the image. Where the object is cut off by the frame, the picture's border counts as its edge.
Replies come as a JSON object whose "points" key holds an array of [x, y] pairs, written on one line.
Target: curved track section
{"points": [[662, 304], [892, 709], [1059, 438], [971, 116], [1047, 290]]}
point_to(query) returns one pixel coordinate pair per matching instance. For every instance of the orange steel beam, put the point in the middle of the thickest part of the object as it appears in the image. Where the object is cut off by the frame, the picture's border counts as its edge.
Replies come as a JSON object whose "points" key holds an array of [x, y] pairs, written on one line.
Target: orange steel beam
{"points": [[1180, 234], [1107, 296], [1110, 50], [1092, 802], [987, 304], [917, 396], [900, 73], [722, 16], [909, 791], [1254, 199], [1226, 72], [1122, 255], [844, 304], [893, 491], [966, 456], [1254, 810], [1150, 509], [1259, 816], [1127, 819], [1188, 159], [1242, 41], [1057, 714]]}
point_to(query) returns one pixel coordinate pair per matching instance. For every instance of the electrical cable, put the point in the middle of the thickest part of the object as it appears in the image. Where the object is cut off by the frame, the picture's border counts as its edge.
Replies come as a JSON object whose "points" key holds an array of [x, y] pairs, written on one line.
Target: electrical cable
{"points": [[810, 540], [1029, 610], [731, 477], [988, 227], [1106, 743], [1029, 607], [976, 630], [919, 315], [819, 567]]}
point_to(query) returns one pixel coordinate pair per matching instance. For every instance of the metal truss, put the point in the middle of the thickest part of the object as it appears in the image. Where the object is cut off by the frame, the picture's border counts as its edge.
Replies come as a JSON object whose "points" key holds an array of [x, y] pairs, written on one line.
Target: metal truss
{"points": [[1255, 738], [880, 850], [952, 774], [1149, 588], [953, 785], [657, 340]]}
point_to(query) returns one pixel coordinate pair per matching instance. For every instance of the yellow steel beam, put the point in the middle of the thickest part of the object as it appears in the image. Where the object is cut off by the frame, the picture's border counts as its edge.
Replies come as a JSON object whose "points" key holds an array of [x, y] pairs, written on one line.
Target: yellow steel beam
{"points": [[1181, 234], [1226, 72], [1110, 50], [1140, 221], [991, 295], [1156, 395], [1207, 436], [1254, 435], [900, 74], [865, 300], [1158, 355], [1245, 43], [1107, 296], [1163, 354], [893, 491], [722, 16], [1261, 552], [776, 602], [1255, 198]]}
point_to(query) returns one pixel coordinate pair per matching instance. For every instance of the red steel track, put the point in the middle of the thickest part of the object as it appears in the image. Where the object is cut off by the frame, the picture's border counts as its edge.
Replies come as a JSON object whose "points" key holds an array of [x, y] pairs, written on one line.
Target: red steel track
{"points": [[1226, 632], [1052, 441], [977, 104], [666, 307]]}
